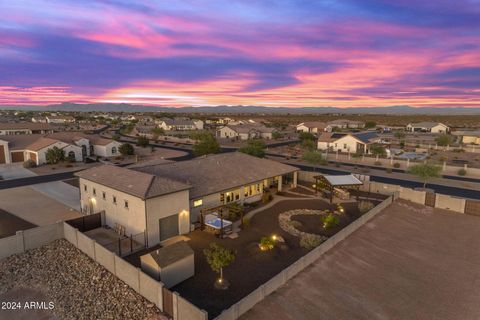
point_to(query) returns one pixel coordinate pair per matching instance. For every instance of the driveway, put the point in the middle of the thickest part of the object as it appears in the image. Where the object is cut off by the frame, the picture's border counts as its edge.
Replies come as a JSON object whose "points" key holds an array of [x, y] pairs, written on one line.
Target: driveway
{"points": [[14, 171], [410, 262], [35, 207]]}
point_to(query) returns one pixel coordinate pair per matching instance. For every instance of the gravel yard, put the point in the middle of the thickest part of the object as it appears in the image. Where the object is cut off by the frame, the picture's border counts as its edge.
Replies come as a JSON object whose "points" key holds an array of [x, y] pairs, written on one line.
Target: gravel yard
{"points": [[78, 287]]}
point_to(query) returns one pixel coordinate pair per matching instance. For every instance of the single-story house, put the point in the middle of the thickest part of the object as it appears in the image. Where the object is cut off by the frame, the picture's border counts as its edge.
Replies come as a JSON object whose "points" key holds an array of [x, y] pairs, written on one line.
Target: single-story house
{"points": [[166, 200], [427, 126], [311, 126], [344, 124], [245, 132], [348, 142], [468, 137], [25, 128], [76, 145], [179, 124]]}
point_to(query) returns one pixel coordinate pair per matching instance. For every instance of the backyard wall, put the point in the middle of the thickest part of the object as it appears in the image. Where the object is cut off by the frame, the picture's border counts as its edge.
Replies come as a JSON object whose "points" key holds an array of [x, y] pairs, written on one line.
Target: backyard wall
{"points": [[450, 203], [239, 308], [30, 239], [139, 281]]}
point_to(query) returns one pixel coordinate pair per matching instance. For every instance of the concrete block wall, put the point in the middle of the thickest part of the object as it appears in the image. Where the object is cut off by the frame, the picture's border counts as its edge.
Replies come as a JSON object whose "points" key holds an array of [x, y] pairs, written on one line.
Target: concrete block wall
{"points": [[149, 288], [30, 239], [242, 306], [450, 203], [413, 195]]}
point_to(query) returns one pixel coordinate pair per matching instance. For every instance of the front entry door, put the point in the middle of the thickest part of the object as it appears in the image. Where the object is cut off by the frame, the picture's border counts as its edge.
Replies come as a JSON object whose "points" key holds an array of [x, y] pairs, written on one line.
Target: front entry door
{"points": [[168, 227]]}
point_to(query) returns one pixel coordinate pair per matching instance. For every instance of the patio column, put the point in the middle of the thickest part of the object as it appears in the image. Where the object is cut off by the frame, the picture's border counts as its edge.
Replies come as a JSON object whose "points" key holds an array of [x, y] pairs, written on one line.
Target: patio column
{"points": [[279, 188], [295, 178]]}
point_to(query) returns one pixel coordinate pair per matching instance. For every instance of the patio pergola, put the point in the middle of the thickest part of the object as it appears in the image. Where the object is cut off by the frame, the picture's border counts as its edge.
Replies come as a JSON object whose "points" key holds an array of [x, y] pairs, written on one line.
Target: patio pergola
{"points": [[342, 182]]}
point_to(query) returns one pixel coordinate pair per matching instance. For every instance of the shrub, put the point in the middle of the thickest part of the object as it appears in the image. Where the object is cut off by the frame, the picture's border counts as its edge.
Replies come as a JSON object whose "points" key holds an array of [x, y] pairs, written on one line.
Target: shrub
{"points": [[29, 164], [378, 163], [389, 170], [310, 241], [396, 165], [266, 243], [462, 172], [365, 206], [245, 222], [330, 221]]}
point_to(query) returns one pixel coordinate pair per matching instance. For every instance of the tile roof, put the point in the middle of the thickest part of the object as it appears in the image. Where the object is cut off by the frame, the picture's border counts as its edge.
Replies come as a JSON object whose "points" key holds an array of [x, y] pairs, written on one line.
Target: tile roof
{"points": [[220, 172], [41, 143], [139, 184], [26, 125]]}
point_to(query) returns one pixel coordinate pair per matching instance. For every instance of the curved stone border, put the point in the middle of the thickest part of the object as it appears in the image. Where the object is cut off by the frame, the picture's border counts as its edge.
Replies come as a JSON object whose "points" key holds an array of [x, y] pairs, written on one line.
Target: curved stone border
{"points": [[284, 220]]}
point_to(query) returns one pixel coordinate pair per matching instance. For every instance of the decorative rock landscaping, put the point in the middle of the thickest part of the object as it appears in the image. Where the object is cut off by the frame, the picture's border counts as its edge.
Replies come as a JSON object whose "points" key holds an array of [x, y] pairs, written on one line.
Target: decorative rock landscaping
{"points": [[78, 287], [287, 224]]}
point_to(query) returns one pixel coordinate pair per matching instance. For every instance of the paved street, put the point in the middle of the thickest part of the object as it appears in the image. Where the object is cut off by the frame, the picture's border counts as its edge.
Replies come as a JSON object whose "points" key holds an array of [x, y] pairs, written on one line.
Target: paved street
{"points": [[410, 262]]}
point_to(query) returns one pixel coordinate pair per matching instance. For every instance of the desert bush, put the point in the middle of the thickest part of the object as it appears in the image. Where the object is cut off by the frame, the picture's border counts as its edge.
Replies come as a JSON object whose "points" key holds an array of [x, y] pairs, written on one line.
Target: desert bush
{"points": [[389, 170], [310, 241], [29, 164], [365, 206], [378, 163], [396, 165], [462, 172], [266, 243], [330, 221]]}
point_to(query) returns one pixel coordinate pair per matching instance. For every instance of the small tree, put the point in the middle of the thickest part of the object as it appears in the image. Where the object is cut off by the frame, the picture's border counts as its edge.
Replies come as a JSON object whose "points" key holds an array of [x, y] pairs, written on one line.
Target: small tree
{"points": [[306, 136], [206, 144], [370, 124], [444, 140], [142, 141], [54, 155], [276, 135], [315, 158], [255, 147], [219, 257], [399, 135], [425, 172], [378, 150], [126, 149]]}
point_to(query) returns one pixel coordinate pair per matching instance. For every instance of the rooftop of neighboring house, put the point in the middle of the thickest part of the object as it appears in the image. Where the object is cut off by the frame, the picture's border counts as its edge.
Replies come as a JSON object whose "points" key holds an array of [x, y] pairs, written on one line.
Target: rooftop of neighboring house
{"points": [[72, 136], [313, 124], [473, 133], [246, 128], [178, 122], [139, 184], [26, 125], [426, 124], [61, 117], [214, 173], [365, 137]]}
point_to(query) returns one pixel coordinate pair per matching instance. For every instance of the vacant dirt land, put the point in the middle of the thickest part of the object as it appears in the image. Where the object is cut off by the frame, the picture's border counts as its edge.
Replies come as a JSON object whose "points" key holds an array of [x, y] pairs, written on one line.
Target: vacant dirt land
{"points": [[410, 262], [61, 276], [34, 206]]}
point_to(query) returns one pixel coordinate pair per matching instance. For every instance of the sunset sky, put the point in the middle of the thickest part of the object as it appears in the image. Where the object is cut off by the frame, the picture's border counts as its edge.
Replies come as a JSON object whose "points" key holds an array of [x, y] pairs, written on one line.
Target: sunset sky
{"points": [[272, 53]]}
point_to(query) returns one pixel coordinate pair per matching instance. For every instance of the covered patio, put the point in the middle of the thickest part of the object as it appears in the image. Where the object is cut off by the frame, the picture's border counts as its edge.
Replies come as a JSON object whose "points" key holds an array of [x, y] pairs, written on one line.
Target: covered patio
{"points": [[337, 185]]}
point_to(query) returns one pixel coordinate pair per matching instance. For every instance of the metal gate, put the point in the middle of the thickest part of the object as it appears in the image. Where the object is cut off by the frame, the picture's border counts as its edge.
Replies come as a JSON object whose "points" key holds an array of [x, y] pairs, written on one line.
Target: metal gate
{"points": [[87, 223], [167, 301], [430, 199], [472, 207]]}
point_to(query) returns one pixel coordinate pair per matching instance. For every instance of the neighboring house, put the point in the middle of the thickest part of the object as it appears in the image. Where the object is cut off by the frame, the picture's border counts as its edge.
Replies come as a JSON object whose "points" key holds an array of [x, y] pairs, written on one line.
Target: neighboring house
{"points": [[427, 126], [245, 132], [39, 120], [166, 200], [468, 137], [344, 124], [60, 119], [25, 128], [76, 145], [143, 129], [312, 127], [146, 120], [348, 142], [179, 124]]}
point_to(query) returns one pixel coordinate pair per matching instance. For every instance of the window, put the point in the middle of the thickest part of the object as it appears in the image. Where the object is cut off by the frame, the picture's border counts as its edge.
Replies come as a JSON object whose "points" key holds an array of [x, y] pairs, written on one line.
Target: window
{"points": [[104, 195], [85, 187], [114, 150], [114, 200], [94, 192], [125, 204], [344, 146], [197, 203]]}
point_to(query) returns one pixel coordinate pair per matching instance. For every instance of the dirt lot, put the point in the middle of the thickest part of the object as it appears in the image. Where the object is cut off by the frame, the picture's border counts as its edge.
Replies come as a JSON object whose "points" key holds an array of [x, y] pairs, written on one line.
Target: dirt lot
{"points": [[410, 262]]}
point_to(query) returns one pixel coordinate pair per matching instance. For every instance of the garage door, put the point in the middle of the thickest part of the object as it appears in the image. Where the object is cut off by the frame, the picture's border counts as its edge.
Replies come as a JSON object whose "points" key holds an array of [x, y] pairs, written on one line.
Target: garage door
{"points": [[17, 157], [2, 154], [168, 227]]}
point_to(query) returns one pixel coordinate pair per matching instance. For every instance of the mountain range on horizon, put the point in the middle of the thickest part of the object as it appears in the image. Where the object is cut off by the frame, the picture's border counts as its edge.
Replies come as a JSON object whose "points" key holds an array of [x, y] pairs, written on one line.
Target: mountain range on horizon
{"points": [[224, 109]]}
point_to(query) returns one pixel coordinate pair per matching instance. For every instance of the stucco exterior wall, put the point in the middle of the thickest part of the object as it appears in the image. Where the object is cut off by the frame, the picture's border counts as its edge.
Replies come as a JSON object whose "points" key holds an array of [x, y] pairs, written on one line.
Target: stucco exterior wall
{"points": [[132, 218], [106, 150], [164, 206]]}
